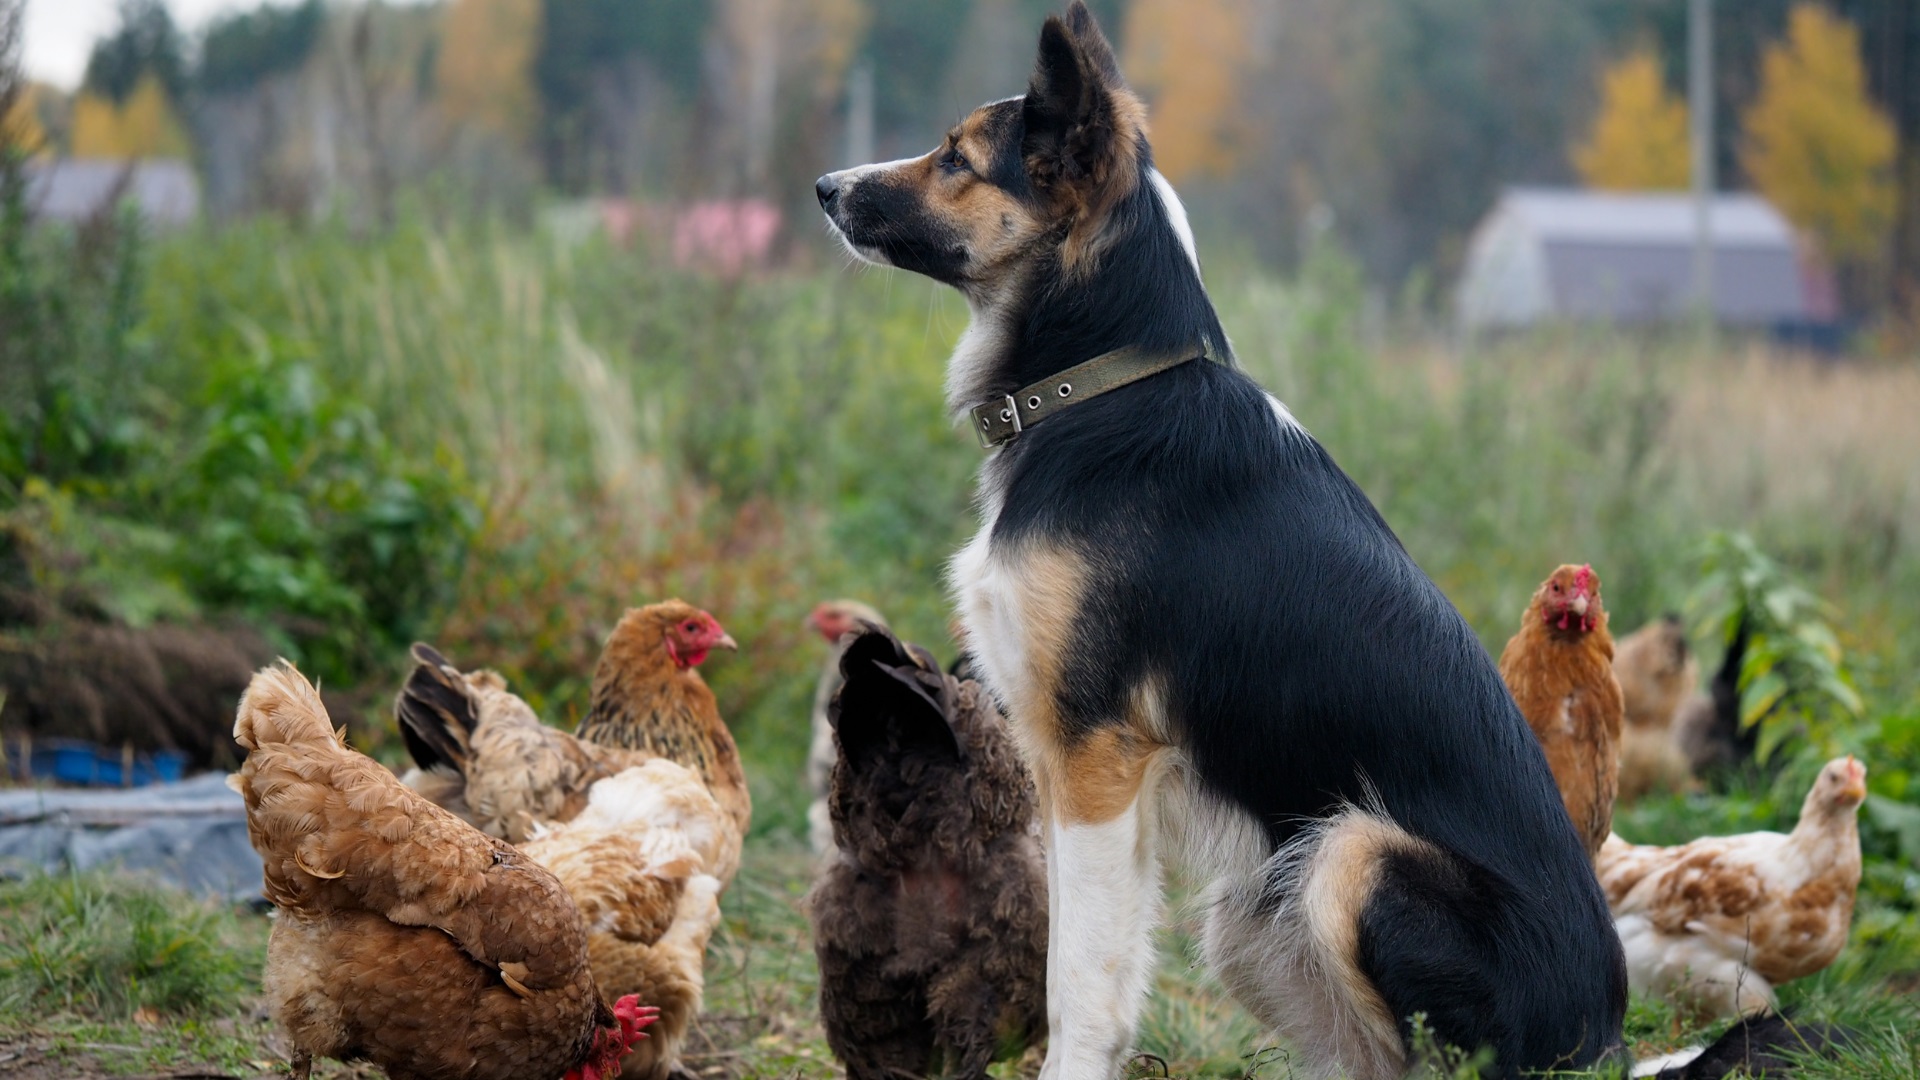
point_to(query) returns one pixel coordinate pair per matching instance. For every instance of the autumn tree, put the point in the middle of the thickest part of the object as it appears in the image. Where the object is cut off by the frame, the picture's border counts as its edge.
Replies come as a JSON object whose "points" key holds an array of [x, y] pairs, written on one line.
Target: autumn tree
{"points": [[127, 106], [144, 125], [1190, 58], [485, 65], [20, 128], [1815, 144], [19, 132], [1638, 141]]}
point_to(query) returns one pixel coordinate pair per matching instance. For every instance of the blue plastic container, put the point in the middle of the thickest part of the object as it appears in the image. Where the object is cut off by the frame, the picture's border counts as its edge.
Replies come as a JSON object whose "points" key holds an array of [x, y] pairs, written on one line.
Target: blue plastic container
{"points": [[82, 764]]}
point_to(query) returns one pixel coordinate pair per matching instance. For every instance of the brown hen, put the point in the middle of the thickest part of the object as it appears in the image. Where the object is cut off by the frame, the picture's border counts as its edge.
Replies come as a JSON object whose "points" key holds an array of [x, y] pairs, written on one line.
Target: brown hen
{"points": [[648, 695], [1559, 668], [406, 937]]}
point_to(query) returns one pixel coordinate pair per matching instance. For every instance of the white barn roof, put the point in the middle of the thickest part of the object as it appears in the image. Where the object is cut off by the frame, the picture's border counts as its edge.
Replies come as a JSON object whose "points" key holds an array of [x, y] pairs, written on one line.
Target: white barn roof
{"points": [[1544, 254]]}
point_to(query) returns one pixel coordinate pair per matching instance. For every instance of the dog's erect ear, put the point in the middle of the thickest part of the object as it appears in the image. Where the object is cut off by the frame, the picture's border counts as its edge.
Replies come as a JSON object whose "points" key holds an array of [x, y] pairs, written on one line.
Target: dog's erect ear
{"points": [[1087, 32], [1084, 128], [1063, 109]]}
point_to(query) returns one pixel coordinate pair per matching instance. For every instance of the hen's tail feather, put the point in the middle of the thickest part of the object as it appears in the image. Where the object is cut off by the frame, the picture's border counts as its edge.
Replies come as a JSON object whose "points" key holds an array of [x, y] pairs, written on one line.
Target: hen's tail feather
{"points": [[435, 712], [281, 706]]}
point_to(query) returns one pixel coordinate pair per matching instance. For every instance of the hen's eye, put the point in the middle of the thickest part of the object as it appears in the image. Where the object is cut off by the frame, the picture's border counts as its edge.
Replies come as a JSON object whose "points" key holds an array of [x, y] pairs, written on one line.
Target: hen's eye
{"points": [[952, 161]]}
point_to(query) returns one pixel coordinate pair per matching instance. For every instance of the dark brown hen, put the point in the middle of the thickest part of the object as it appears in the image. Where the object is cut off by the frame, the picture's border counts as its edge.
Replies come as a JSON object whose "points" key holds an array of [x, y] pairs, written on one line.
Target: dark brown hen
{"points": [[930, 922]]}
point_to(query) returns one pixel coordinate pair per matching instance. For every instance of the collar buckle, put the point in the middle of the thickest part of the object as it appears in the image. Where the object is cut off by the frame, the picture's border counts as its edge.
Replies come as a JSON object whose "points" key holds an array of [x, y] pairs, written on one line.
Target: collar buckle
{"points": [[997, 422]]}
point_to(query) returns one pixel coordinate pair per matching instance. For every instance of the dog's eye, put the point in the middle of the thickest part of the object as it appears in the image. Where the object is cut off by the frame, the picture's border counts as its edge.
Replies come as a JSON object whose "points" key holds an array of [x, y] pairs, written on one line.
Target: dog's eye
{"points": [[952, 161]]}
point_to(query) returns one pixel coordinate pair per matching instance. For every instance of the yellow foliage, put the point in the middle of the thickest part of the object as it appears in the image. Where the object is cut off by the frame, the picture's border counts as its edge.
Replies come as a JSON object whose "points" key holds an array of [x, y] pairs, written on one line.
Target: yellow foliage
{"points": [[144, 126], [1191, 58], [485, 66], [1639, 139], [1815, 143], [21, 126]]}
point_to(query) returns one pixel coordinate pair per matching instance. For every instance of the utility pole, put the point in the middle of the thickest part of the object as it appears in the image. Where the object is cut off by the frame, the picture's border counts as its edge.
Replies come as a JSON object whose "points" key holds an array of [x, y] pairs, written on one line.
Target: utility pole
{"points": [[860, 114], [1700, 110]]}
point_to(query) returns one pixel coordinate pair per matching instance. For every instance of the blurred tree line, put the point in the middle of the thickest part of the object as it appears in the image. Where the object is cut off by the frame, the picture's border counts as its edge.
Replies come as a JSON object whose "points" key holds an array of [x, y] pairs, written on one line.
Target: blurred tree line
{"points": [[1392, 123]]}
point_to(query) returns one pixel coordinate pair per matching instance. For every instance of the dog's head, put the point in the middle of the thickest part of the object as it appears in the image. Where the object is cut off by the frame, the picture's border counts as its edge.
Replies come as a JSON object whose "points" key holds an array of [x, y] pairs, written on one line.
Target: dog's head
{"points": [[1015, 179]]}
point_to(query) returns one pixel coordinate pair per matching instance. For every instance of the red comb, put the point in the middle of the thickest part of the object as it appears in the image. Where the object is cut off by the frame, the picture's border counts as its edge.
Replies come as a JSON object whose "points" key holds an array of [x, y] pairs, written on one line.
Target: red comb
{"points": [[634, 1019], [1583, 577]]}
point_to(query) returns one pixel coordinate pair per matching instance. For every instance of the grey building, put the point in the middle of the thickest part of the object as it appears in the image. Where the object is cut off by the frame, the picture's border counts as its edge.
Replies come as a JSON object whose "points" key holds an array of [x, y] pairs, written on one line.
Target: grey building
{"points": [[75, 189], [1544, 254]]}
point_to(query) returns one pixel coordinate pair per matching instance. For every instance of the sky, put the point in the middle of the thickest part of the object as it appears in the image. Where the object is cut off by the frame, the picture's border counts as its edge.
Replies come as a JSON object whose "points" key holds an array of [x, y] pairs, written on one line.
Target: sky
{"points": [[60, 33]]}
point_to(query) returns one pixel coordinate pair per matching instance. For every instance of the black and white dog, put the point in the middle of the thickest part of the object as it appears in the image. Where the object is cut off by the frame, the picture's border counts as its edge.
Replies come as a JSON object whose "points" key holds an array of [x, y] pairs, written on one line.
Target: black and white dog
{"points": [[1209, 643]]}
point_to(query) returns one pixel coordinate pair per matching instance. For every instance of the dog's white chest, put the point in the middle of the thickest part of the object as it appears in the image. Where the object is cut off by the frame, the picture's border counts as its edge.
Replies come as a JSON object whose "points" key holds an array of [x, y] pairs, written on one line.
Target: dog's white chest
{"points": [[990, 603]]}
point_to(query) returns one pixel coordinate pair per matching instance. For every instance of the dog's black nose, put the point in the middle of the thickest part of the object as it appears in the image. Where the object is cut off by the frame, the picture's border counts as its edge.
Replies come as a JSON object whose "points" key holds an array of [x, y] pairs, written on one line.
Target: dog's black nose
{"points": [[828, 189]]}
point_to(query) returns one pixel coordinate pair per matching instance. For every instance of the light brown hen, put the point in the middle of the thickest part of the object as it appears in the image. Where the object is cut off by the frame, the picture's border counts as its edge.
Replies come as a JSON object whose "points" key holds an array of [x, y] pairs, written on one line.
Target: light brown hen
{"points": [[406, 937], [1657, 673], [1559, 668]]}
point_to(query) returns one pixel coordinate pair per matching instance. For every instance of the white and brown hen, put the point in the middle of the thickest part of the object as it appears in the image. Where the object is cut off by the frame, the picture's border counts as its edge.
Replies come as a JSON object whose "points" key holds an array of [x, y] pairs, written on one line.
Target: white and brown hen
{"points": [[1718, 923], [638, 841]]}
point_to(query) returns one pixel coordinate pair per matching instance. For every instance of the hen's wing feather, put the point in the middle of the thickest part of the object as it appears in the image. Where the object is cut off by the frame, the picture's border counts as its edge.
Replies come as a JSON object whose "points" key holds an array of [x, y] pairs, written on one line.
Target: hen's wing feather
{"points": [[337, 831]]}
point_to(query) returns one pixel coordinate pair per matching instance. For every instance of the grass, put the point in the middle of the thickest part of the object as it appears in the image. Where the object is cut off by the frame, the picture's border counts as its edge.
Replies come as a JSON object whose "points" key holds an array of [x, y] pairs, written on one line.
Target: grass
{"points": [[97, 1020]]}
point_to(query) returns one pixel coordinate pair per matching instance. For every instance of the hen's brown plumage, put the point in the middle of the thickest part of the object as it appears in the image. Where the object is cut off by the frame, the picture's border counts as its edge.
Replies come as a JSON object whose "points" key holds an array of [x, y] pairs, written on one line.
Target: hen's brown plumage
{"points": [[648, 695], [1719, 922], [1657, 673], [1559, 668], [930, 920], [637, 840], [406, 937]]}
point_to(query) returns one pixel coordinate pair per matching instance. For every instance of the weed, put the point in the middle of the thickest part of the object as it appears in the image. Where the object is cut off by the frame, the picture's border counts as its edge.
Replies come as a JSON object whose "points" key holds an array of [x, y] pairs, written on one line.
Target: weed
{"points": [[100, 947]]}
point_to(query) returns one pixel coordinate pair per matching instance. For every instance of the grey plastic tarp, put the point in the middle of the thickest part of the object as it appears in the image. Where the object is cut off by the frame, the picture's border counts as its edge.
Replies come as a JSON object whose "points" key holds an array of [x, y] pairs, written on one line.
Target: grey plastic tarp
{"points": [[191, 835]]}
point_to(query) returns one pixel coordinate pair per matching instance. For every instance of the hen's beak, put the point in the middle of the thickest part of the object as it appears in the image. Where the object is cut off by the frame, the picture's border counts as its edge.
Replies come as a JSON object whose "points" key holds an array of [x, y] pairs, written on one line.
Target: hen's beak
{"points": [[1580, 603], [1856, 780], [725, 641]]}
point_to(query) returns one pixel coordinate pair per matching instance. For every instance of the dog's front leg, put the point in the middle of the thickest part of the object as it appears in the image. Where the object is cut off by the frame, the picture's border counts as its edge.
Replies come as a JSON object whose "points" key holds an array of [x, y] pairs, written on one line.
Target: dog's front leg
{"points": [[1103, 881]]}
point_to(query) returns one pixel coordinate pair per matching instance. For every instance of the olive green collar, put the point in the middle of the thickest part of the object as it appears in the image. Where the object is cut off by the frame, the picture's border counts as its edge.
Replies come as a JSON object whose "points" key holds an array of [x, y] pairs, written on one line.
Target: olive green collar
{"points": [[1000, 422]]}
